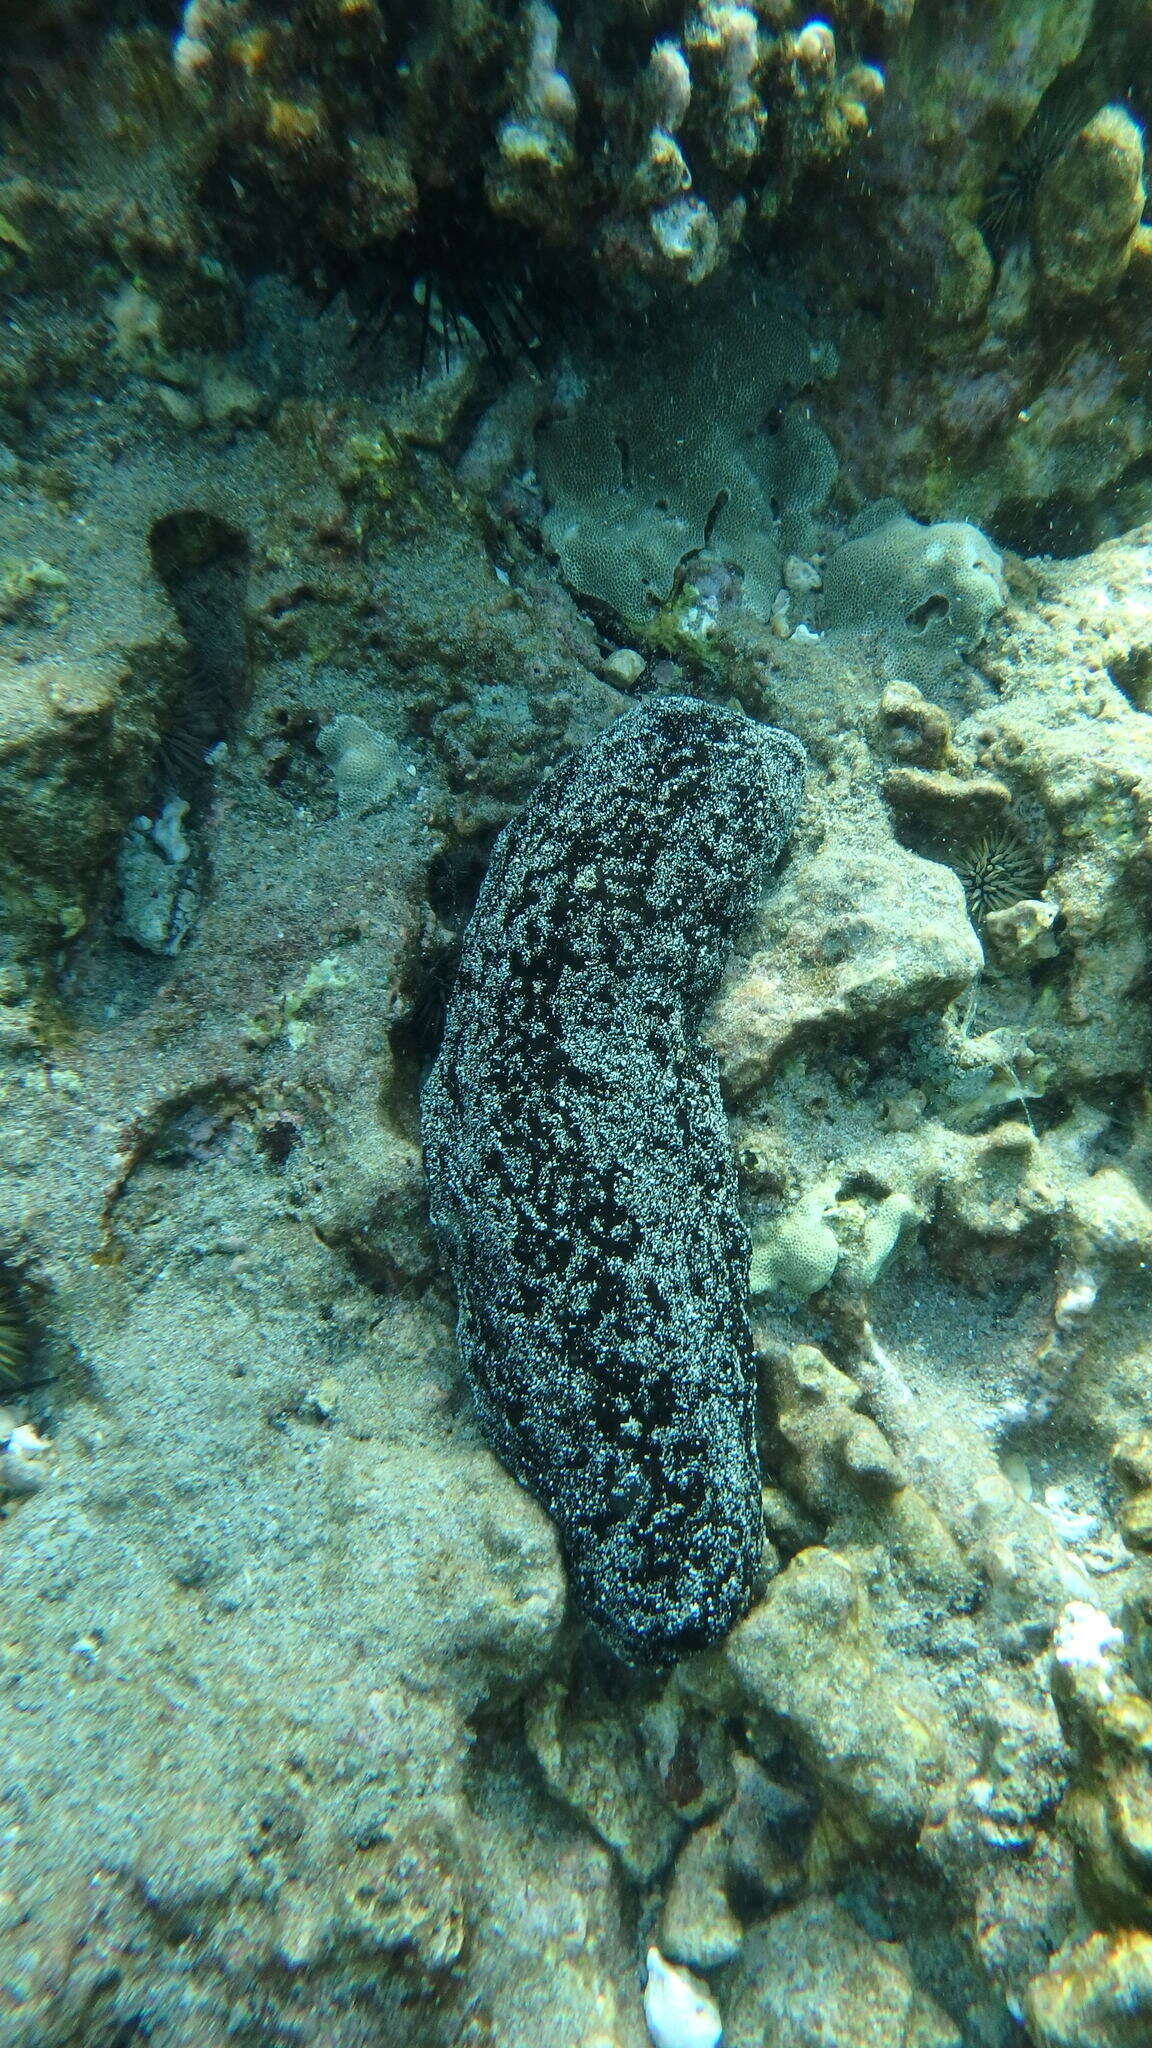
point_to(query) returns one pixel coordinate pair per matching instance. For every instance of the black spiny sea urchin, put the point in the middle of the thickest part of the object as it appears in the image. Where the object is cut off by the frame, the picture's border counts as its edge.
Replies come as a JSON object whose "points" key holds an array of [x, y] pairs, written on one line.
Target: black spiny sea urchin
{"points": [[997, 869], [1005, 215], [455, 264], [15, 1338]]}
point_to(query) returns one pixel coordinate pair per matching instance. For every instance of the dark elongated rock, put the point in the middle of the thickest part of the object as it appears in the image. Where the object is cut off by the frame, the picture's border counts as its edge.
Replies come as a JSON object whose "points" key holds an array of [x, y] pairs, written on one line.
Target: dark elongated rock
{"points": [[580, 1171]]}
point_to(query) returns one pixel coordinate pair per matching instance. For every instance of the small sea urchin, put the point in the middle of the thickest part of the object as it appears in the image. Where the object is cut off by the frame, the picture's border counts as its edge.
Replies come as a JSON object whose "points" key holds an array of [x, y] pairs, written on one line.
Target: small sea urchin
{"points": [[1005, 215], [997, 869], [15, 1339]]}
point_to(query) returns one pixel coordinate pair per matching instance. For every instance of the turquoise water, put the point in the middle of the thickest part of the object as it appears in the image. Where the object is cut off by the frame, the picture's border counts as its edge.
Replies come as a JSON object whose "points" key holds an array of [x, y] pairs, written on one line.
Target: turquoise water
{"points": [[598, 555]]}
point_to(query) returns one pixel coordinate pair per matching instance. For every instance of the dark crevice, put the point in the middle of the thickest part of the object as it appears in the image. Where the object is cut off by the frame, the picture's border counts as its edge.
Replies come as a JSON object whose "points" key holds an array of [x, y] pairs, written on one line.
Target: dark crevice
{"points": [[203, 564], [927, 612], [424, 982]]}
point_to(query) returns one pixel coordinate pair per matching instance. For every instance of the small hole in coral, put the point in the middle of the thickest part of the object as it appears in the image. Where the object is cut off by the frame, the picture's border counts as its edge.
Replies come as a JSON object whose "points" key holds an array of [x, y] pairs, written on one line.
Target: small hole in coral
{"points": [[922, 615], [717, 506]]}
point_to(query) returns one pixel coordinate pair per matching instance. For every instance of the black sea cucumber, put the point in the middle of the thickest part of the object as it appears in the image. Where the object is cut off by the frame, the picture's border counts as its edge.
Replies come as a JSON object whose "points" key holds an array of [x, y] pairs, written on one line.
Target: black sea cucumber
{"points": [[580, 1171]]}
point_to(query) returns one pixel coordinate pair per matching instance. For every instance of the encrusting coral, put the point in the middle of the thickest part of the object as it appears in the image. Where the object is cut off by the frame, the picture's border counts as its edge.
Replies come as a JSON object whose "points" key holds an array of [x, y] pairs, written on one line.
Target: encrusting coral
{"points": [[930, 590], [363, 762], [648, 162], [665, 453]]}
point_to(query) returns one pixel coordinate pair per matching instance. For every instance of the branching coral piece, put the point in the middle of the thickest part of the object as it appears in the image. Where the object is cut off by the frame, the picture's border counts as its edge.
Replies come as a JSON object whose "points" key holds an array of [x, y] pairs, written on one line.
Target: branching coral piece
{"points": [[353, 123]]}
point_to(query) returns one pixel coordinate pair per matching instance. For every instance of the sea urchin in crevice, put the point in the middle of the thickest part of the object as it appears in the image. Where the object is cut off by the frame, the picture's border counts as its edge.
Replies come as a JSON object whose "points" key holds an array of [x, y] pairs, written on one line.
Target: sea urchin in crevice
{"points": [[15, 1338], [456, 265], [1005, 215], [997, 869]]}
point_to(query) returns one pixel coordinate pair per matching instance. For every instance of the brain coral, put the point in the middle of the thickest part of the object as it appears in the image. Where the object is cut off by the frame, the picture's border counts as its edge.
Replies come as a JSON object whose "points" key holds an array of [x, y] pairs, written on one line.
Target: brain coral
{"points": [[667, 451], [929, 587]]}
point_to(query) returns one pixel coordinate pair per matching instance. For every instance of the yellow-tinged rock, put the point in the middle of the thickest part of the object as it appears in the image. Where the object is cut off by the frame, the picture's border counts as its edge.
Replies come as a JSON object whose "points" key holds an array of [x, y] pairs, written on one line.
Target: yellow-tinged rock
{"points": [[1089, 204], [810, 1659], [1095, 1994]]}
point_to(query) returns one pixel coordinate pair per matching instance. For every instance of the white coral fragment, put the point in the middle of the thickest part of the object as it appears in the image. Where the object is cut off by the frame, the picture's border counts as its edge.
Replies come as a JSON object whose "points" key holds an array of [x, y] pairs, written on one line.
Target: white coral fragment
{"points": [[668, 85], [679, 2011], [724, 40], [1085, 1636], [795, 1256], [687, 237], [540, 130], [25, 1461], [800, 577], [814, 48]]}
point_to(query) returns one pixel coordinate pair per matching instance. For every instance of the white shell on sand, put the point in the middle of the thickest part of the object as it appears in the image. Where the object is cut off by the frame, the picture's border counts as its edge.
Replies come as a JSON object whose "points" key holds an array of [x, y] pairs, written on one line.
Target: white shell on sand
{"points": [[679, 2011]]}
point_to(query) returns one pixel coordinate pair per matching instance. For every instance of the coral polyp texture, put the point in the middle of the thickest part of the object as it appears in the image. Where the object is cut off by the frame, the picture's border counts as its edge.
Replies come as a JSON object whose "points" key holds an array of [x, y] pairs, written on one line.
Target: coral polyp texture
{"points": [[579, 1172], [929, 591], [668, 449]]}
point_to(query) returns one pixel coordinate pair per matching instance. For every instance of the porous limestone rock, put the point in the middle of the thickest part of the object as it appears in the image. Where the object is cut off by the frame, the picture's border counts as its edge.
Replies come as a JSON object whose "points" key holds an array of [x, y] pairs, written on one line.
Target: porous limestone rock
{"points": [[752, 1853], [1132, 1464], [1107, 1809], [78, 731], [812, 1978], [811, 1662], [858, 936], [593, 1760], [840, 1467], [831, 1451]]}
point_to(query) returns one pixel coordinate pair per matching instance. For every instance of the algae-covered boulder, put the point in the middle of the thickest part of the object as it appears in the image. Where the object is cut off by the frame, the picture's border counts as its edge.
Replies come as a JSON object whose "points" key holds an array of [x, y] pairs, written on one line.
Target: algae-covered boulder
{"points": [[753, 1853], [812, 1978], [1089, 204], [92, 662], [76, 738], [811, 1662], [862, 935], [1096, 1994], [592, 1761]]}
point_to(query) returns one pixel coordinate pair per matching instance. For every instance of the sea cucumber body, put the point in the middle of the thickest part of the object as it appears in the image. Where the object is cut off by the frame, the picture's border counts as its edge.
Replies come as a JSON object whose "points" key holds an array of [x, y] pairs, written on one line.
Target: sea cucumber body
{"points": [[580, 1170]]}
